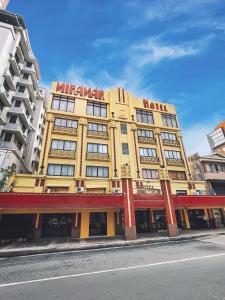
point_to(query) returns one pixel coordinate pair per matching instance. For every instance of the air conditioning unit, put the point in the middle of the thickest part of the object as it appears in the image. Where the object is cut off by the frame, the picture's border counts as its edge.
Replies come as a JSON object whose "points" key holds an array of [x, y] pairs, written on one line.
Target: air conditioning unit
{"points": [[80, 189], [116, 191]]}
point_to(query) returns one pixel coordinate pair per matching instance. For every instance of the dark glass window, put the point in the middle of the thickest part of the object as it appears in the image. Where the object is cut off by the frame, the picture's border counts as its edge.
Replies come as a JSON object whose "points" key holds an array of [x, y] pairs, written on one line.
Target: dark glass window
{"points": [[169, 120], [63, 103], [123, 128], [144, 116], [96, 109], [93, 171], [125, 149]]}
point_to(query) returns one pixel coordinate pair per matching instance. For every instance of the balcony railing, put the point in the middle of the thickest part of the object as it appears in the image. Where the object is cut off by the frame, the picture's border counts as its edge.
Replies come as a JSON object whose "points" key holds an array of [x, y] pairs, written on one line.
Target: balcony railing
{"points": [[171, 142], [174, 162], [62, 153], [97, 156], [149, 160], [67, 130], [146, 140], [98, 134]]}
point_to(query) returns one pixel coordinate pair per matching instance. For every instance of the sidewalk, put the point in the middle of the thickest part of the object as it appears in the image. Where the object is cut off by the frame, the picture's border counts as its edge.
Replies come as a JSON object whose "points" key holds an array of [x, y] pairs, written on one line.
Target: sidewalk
{"points": [[50, 246]]}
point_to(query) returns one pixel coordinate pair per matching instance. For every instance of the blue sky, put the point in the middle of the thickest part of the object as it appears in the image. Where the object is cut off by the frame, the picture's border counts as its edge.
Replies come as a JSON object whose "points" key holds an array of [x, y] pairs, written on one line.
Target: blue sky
{"points": [[169, 50]]}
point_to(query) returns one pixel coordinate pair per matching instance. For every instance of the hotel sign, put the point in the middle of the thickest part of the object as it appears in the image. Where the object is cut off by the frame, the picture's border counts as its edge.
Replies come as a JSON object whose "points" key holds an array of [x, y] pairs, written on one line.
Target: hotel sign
{"points": [[81, 91], [153, 105]]}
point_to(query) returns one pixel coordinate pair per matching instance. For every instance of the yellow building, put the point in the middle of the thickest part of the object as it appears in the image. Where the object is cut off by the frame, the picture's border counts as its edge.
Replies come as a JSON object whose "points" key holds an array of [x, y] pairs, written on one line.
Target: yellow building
{"points": [[92, 135], [87, 140]]}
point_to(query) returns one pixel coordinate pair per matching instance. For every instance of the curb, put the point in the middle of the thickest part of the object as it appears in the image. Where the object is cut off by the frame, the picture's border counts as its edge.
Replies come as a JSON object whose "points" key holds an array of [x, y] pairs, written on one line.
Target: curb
{"points": [[17, 253]]}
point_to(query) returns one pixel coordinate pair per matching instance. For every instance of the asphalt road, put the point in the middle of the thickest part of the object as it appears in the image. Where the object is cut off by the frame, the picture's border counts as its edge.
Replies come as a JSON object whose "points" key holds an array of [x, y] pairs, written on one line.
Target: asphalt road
{"points": [[187, 270]]}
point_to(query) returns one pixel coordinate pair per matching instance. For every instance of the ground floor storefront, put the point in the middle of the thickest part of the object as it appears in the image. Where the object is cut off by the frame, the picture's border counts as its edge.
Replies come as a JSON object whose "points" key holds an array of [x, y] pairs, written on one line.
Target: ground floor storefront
{"points": [[82, 216], [102, 223]]}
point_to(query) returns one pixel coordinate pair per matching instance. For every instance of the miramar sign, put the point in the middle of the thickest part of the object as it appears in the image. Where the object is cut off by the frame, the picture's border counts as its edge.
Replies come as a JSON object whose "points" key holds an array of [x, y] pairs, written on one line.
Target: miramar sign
{"points": [[82, 91]]}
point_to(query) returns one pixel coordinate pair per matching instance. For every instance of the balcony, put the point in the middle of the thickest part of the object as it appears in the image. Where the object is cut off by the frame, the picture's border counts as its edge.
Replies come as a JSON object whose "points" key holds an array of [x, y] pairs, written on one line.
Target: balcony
{"points": [[5, 97], [29, 70], [14, 65], [146, 140], [21, 112], [215, 176], [62, 154], [26, 82], [171, 142], [16, 128], [174, 162], [97, 134], [97, 156], [149, 160], [2, 118], [10, 146], [66, 130], [25, 97], [11, 80]]}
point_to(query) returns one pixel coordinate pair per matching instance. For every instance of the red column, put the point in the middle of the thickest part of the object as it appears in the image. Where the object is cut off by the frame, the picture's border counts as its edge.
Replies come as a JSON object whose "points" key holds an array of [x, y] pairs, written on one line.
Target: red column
{"points": [[129, 211], [170, 209], [37, 223]]}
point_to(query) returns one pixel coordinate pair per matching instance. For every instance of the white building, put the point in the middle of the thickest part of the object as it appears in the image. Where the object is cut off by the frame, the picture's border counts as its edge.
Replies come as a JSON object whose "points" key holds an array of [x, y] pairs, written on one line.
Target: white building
{"points": [[22, 102]]}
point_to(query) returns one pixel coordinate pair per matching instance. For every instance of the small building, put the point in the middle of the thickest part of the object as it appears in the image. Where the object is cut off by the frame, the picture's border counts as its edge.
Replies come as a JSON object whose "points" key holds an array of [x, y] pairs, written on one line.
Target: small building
{"points": [[210, 168]]}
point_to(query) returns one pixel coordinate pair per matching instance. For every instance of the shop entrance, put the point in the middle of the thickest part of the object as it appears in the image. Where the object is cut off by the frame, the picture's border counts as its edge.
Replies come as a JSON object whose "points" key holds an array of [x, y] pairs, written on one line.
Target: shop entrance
{"points": [[56, 225], [16, 226], [197, 219], [143, 221], [98, 224]]}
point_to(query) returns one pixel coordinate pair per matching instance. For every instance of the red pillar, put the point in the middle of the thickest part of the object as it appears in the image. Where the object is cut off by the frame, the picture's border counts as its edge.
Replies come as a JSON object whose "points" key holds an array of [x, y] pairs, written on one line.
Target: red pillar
{"points": [[170, 209], [129, 211]]}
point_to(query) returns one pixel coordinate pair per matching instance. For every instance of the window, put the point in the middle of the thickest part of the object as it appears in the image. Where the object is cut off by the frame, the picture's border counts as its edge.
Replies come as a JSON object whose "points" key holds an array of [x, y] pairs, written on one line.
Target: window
{"points": [[123, 128], [11, 71], [25, 76], [150, 173], [63, 103], [168, 136], [169, 120], [17, 103], [177, 175], [17, 58], [92, 171], [147, 152], [60, 170], [21, 89], [145, 133], [96, 109], [181, 192], [6, 86], [8, 137], [169, 154], [97, 148], [97, 127], [12, 119], [63, 145], [65, 123], [216, 168], [144, 116], [29, 64], [125, 149]]}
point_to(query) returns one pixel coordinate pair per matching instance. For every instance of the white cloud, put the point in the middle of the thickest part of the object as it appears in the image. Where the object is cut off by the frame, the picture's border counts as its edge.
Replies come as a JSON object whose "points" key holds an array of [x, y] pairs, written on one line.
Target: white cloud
{"points": [[153, 51]]}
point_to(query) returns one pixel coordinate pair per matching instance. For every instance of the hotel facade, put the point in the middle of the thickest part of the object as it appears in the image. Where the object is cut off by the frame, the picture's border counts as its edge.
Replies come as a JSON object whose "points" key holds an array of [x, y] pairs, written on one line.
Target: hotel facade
{"points": [[110, 164]]}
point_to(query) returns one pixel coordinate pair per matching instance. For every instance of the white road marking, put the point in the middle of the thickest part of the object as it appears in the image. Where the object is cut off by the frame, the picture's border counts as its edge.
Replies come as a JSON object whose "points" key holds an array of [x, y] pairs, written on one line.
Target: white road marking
{"points": [[112, 270], [206, 241]]}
